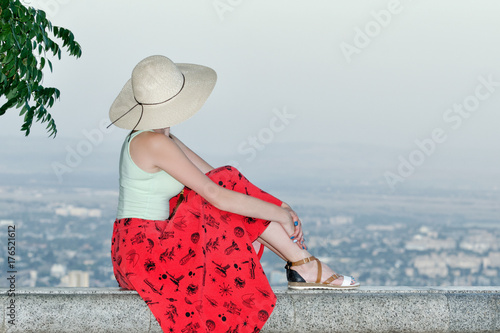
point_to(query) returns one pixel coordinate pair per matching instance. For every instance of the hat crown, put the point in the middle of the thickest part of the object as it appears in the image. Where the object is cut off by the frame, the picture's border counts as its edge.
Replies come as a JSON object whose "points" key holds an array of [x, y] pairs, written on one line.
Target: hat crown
{"points": [[155, 80]]}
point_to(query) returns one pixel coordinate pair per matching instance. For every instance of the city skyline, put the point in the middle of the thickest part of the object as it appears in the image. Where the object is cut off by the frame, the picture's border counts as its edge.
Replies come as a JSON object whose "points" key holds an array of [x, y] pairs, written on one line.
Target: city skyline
{"points": [[440, 238]]}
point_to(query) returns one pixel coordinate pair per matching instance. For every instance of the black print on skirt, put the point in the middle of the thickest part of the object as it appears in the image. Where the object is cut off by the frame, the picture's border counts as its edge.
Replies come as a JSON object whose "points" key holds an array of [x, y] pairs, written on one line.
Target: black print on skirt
{"points": [[198, 271]]}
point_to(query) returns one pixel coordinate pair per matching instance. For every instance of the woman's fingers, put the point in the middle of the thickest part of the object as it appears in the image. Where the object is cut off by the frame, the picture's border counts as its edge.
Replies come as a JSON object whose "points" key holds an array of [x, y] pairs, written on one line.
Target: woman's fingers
{"points": [[300, 241], [296, 229], [298, 235], [295, 237]]}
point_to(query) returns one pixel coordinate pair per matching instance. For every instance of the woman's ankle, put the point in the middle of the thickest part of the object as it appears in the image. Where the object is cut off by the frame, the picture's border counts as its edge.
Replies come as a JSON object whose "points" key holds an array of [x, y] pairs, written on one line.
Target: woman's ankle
{"points": [[299, 255], [309, 271]]}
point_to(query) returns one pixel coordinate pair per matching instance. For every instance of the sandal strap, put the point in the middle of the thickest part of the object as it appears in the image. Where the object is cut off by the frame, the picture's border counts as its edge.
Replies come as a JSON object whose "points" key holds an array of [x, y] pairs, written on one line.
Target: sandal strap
{"points": [[332, 278], [320, 270], [305, 261], [302, 262], [318, 279]]}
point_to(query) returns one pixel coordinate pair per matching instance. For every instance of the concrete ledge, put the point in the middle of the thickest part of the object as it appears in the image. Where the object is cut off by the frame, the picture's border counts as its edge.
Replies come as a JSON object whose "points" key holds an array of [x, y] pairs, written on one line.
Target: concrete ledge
{"points": [[368, 309]]}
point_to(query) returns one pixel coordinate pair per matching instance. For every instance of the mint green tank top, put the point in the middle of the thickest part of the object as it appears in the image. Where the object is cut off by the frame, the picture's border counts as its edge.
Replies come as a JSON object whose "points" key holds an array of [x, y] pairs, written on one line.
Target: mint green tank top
{"points": [[142, 194]]}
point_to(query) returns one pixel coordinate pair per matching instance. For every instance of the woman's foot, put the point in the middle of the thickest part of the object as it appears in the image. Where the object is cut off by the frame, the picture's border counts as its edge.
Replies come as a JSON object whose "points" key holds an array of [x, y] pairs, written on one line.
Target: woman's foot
{"points": [[308, 272]]}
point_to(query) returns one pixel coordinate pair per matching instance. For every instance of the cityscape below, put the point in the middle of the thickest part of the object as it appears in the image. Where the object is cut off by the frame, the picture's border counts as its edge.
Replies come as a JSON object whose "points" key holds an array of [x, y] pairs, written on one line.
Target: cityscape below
{"points": [[410, 238]]}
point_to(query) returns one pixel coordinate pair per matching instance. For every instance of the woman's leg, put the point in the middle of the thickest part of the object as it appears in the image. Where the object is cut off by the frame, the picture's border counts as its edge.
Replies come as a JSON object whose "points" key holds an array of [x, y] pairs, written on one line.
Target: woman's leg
{"points": [[272, 234], [282, 245], [270, 247]]}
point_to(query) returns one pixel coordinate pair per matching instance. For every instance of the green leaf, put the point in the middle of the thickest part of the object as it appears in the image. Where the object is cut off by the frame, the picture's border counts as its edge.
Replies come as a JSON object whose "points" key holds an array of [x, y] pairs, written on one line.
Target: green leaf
{"points": [[39, 76], [7, 106], [23, 110], [23, 32], [22, 70], [10, 56]]}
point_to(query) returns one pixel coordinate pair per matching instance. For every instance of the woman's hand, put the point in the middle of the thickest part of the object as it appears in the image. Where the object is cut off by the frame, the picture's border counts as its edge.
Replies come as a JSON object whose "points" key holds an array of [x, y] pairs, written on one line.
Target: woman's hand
{"points": [[294, 230]]}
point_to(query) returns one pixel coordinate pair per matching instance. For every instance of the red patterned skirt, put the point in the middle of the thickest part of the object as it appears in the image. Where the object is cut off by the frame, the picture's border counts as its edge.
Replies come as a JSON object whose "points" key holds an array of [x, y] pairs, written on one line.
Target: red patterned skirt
{"points": [[198, 270]]}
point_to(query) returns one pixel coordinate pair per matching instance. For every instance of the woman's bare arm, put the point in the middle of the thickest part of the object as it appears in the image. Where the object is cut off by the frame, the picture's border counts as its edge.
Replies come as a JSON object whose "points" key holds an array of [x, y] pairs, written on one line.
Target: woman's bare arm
{"points": [[147, 152], [164, 153], [193, 157]]}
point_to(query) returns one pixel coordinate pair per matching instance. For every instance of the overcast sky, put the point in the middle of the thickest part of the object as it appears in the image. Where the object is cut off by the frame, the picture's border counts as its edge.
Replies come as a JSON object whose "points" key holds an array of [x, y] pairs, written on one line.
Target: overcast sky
{"points": [[385, 73]]}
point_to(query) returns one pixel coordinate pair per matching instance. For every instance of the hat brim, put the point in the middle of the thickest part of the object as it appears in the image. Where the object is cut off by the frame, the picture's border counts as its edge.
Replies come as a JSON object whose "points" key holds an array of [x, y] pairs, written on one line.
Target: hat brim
{"points": [[199, 83]]}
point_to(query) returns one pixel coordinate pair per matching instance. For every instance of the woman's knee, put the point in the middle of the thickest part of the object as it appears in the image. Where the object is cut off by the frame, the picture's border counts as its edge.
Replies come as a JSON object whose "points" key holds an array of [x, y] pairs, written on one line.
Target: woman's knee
{"points": [[226, 169]]}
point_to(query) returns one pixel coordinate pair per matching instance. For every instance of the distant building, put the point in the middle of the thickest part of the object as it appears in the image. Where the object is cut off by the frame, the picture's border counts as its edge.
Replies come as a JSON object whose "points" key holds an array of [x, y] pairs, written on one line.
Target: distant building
{"points": [[424, 243], [76, 279], [341, 220], [70, 210], [492, 260], [464, 261], [6, 222], [479, 241], [57, 270], [33, 278], [432, 265]]}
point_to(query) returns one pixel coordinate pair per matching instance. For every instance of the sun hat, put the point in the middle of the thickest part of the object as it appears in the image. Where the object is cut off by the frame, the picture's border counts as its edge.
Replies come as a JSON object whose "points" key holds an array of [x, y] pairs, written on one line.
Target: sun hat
{"points": [[161, 94]]}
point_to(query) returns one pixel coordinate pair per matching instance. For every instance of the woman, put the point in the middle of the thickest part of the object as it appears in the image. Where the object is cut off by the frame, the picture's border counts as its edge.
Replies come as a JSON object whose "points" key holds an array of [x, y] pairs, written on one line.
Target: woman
{"points": [[189, 255]]}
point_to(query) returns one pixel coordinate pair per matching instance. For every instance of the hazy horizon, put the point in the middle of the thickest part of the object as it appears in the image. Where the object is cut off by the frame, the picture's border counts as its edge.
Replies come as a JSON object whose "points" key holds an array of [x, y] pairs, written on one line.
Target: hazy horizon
{"points": [[418, 81]]}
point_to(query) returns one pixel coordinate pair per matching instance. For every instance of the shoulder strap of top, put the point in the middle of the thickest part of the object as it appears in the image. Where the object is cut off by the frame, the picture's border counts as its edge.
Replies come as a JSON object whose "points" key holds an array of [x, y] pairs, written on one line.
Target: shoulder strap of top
{"points": [[133, 135]]}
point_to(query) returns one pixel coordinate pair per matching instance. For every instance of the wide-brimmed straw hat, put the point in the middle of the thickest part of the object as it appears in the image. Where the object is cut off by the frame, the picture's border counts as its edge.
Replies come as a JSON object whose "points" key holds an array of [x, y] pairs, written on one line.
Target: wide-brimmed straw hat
{"points": [[161, 94]]}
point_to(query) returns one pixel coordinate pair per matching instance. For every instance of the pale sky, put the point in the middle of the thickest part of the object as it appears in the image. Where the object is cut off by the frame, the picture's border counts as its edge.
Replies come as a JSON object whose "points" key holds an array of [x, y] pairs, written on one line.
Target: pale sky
{"points": [[385, 73]]}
